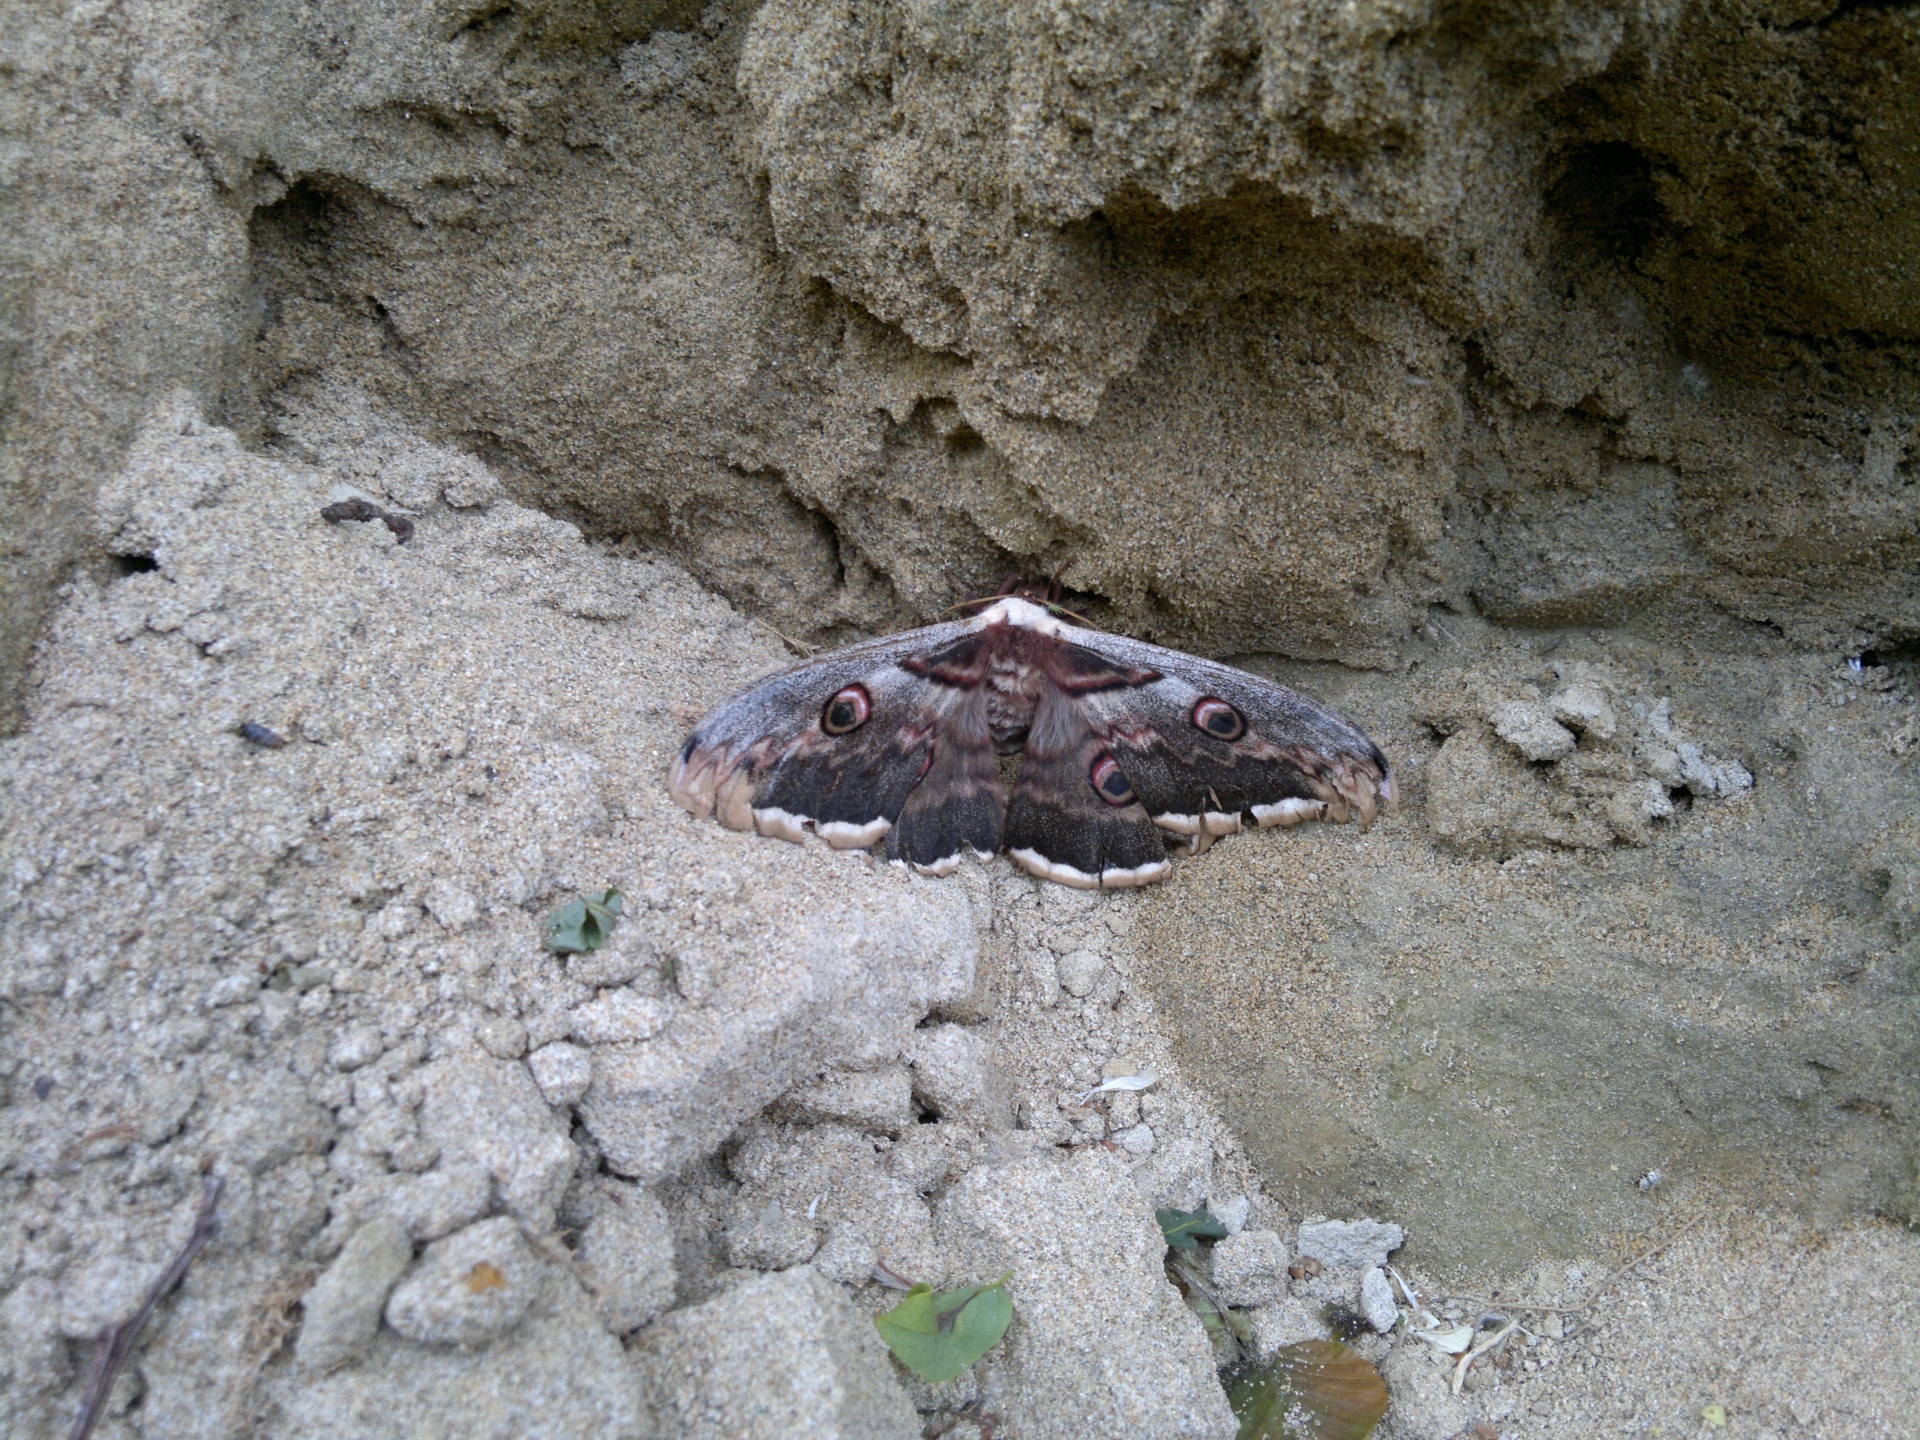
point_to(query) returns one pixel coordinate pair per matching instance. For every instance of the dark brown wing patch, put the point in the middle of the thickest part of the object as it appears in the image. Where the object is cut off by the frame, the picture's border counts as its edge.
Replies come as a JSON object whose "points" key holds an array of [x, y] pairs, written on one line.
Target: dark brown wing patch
{"points": [[1068, 820], [957, 803]]}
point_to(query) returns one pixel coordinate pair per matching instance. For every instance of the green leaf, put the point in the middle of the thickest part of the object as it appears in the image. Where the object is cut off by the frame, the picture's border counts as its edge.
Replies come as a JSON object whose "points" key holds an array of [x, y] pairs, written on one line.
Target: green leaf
{"points": [[938, 1336], [1186, 1228], [1316, 1390], [584, 924]]}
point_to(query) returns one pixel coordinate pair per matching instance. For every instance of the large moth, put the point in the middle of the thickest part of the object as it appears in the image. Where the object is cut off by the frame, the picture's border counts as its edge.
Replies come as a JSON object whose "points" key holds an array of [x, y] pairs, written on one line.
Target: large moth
{"points": [[1121, 743]]}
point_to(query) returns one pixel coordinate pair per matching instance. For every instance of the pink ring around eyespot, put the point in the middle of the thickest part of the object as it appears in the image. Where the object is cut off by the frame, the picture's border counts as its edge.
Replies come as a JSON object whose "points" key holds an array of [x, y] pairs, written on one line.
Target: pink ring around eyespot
{"points": [[846, 711], [1210, 710], [1102, 773]]}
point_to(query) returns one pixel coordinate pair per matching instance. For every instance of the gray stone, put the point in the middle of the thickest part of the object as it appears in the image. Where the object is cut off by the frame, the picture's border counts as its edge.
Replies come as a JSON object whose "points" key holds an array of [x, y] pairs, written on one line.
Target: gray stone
{"points": [[837, 982], [490, 1112], [564, 1072], [1250, 1268], [1101, 1343], [1287, 1321], [626, 1256], [1376, 1300], [1530, 729], [1233, 1214], [441, 1201], [1584, 706], [1420, 1401], [846, 1255], [468, 1289], [355, 1046], [1662, 762], [502, 1037], [1350, 1244], [879, 1100], [619, 1016], [265, 1122], [1632, 809], [342, 1309], [1709, 778], [776, 1356], [769, 1236], [452, 905], [835, 1172], [954, 1076], [1080, 970], [1136, 1140], [558, 1372]]}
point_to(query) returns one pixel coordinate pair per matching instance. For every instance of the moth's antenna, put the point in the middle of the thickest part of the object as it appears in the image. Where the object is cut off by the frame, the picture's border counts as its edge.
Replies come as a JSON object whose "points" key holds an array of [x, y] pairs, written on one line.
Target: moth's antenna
{"points": [[799, 647], [1057, 608], [971, 602]]}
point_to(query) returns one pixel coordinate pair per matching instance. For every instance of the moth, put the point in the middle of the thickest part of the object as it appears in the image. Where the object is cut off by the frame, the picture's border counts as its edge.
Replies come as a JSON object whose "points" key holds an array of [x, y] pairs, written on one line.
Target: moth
{"points": [[1122, 744]]}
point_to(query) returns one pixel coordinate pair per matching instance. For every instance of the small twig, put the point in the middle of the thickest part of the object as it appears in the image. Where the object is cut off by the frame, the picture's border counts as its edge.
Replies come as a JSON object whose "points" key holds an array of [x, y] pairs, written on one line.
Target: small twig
{"points": [[1621, 1274], [1532, 1308], [1525, 1307], [115, 1342], [1460, 1370], [886, 1275], [799, 647]]}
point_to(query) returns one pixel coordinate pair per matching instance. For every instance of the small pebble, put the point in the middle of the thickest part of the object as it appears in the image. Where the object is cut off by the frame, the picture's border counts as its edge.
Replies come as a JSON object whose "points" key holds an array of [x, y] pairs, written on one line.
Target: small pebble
{"points": [[232, 990], [468, 1288], [451, 905], [1232, 1214], [1080, 972], [618, 1016], [442, 1201], [343, 1307], [361, 1045], [42, 1087], [1376, 1301], [262, 735], [846, 1256], [502, 1037], [563, 1072], [1305, 1268]]}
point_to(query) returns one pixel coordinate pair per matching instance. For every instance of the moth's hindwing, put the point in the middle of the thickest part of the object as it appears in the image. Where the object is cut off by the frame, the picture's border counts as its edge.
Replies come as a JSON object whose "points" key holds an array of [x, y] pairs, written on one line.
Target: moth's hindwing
{"points": [[1073, 818], [957, 805]]}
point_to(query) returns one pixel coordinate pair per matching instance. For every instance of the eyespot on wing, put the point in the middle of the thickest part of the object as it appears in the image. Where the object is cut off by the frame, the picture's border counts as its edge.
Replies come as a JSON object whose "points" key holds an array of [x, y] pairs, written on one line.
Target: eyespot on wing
{"points": [[846, 710], [1217, 718], [1109, 781]]}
